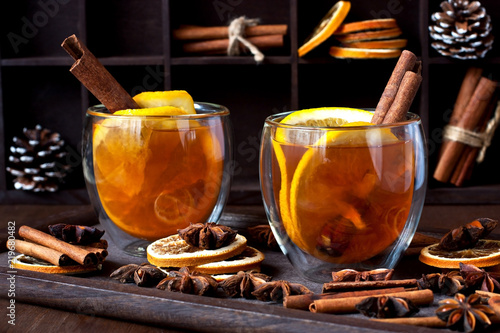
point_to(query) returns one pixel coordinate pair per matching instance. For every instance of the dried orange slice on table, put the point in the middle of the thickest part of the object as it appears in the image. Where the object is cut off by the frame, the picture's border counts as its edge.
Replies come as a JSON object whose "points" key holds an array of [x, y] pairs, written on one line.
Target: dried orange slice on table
{"points": [[173, 251], [485, 253], [332, 20]]}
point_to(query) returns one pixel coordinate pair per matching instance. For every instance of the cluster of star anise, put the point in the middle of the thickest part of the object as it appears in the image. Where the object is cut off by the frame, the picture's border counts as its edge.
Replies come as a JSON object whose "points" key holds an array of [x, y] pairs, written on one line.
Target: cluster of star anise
{"points": [[243, 284]]}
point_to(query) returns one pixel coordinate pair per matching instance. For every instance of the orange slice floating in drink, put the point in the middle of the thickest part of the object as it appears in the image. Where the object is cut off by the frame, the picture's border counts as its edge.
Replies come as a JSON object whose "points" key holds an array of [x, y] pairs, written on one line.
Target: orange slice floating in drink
{"points": [[174, 98], [153, 111], [288, 138], [306, 184], [155, 175]]}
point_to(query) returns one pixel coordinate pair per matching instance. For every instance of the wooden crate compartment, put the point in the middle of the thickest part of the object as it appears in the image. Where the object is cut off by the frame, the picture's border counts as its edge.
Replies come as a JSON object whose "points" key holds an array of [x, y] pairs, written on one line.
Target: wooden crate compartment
{"points": [[133, 40], [37, 28]]}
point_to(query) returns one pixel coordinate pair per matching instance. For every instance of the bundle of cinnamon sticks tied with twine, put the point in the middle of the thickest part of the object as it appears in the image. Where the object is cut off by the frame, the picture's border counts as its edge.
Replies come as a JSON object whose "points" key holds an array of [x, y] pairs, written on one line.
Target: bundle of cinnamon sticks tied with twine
{"points": [[475, 116], [241, 34]]}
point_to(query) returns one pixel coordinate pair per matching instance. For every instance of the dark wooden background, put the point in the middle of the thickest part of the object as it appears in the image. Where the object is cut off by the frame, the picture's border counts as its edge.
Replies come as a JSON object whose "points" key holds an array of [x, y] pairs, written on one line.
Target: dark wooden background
{"points": [[132, 39]]}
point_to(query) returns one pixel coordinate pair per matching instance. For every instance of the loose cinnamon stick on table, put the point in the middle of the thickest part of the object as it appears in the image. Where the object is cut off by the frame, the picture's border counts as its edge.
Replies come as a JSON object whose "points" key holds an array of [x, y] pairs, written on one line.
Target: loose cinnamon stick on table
{"points": [[406, 63], [200, 33], [365, 285], [302, 302], [81, 256], [92, 74], [414, 321], [221, 45], [346, 305], [41, 252], [472, 115]]}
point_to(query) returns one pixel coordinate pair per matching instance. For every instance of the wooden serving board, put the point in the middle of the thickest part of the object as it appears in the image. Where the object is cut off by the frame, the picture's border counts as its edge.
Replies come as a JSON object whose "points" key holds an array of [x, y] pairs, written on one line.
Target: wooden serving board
{"points": [[98, 295]]}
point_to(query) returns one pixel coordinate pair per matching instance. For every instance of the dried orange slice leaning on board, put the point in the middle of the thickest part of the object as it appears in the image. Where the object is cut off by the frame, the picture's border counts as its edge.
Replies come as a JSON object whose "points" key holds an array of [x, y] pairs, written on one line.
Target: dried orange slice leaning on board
{"points": [[332, 20]]}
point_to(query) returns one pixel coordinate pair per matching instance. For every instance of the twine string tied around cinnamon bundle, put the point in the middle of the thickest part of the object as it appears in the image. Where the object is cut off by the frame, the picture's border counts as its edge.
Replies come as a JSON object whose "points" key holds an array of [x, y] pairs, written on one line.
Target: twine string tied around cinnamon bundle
{"points": [[474, 139], [236, 35]]}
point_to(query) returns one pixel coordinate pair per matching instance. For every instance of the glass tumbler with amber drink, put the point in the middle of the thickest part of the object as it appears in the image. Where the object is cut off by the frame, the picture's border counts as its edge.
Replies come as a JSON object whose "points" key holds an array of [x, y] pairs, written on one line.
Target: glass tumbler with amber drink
{"points": [[341, 192], [152, 171]]}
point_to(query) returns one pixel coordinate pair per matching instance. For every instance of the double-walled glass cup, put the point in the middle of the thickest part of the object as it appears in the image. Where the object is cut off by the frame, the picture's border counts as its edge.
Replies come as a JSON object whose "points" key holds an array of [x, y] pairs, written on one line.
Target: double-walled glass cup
{"points": [[343, 197], [148, 176]]}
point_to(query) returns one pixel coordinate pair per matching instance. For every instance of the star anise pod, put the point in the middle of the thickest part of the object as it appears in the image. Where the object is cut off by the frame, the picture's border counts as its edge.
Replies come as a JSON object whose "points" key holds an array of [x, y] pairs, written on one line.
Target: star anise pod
{"points": [[125, 273], [464, 314], [264, 235], [386, 307], [477, 278], [187, 282], [448, 283], [207, 236], [144, 275], [468, 235], [243, 283], [381, 274], [76, 234], [277, 290]]}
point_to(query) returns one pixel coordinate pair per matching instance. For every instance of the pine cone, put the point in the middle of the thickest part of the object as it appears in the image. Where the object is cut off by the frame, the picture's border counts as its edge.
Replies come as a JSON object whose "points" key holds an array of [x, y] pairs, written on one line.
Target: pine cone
{"points": [[37, 160], [462, 30]]}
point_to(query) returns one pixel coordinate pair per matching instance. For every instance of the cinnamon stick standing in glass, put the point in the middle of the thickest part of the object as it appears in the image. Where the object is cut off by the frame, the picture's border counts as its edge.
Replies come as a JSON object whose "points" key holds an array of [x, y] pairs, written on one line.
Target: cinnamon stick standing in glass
{"points": [[92, 74], [406, 63]]}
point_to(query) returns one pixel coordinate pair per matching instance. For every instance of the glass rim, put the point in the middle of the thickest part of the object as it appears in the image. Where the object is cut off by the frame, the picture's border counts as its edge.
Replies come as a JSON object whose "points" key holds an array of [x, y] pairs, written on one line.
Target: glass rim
{"points": [[216, 110], [271, 120]]}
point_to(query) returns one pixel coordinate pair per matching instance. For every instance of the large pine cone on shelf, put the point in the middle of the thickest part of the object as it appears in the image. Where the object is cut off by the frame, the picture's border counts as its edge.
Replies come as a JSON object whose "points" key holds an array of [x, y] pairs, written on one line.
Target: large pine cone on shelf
{"points": [[37, 160], [462, 30]]}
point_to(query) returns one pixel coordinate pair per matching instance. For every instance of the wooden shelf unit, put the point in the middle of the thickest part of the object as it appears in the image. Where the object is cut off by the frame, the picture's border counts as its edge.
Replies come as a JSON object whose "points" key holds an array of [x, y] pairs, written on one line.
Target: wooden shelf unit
{"points": [[132, 39]]}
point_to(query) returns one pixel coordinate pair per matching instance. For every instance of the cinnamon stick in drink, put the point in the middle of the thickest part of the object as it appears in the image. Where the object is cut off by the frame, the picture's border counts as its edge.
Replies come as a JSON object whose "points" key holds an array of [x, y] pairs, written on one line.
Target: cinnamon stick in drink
{"points": [[472, 115], [302, 302], [221, 32], [81, 256], [41, 252], [405, 63], [404, 97], [92, 74], [346, 305]]}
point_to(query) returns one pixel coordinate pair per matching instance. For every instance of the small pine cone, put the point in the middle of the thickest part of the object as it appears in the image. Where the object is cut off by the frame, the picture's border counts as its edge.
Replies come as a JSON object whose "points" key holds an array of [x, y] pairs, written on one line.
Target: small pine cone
{"points": [[37, 160], [462, 30]]}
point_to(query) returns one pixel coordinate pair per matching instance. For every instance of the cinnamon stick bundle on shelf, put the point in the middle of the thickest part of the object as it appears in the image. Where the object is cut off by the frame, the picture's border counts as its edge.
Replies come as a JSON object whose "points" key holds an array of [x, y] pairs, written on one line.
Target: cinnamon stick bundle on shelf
{"points": [[465, 134], [245, 33], [190, 32]]}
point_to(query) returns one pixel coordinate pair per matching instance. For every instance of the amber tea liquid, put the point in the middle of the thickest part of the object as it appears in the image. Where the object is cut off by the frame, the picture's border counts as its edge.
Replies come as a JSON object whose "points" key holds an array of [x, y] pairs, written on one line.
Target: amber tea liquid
{"points": [[154, 177], [343, 203]]}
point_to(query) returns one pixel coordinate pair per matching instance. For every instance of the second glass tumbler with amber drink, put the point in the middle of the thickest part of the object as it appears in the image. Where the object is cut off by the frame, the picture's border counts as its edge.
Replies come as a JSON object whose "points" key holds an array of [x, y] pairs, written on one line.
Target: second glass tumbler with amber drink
{"points": [[342, 195], [149, 175]]}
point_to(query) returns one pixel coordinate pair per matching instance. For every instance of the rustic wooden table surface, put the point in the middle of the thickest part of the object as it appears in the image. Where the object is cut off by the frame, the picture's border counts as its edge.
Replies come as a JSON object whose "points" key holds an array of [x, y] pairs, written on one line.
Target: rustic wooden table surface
{"points": [[48, 315]]}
